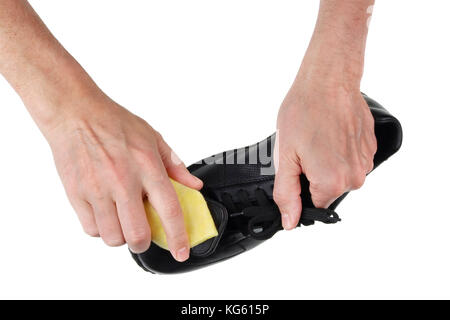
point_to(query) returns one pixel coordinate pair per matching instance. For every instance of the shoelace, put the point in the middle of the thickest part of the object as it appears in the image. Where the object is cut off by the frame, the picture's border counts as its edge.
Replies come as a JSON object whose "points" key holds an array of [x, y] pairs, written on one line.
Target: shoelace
{"points": [[264, 218]]}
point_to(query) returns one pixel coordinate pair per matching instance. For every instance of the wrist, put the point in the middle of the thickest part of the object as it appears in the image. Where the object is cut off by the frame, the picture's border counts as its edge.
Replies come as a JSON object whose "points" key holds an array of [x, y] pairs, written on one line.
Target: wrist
{"points": [[336, 51], [52, 85], [331, 65], [326, 72], [60, 93]]}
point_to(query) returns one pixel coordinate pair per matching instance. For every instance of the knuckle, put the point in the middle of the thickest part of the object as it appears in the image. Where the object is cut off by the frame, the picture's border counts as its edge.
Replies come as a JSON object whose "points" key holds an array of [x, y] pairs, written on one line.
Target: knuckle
{"points": [[318, 202], [173, 210], [138, 238], [336, 185], [140, 154], [157, 177], [119, 172], [113, 241], [281, 200], [177, 240], [124, 188], [73, 191], [370, 166], [319, 199], [94, 190], [374, 147], [370, 119], [336, 191], [328, 187], [279, 197], [91, 231], [152, 157], [120, 179], [157, 135], [358, 179], [147, 156]]}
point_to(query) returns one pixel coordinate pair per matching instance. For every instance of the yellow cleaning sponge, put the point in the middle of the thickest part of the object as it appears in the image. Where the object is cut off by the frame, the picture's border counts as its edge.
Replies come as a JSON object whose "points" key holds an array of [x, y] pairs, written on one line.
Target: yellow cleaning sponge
{"points": [[197, 218]]}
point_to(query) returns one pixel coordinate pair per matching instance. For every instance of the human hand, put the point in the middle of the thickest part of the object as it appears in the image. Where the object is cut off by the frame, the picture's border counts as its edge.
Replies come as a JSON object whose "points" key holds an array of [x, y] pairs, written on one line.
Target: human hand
{"points": [[108, 160], [325, 128], [326, 132]]}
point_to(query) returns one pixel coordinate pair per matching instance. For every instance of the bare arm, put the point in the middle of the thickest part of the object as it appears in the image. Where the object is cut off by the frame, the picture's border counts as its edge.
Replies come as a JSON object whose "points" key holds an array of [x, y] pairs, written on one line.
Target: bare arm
{"points": [[325, 127], [108, 159]]}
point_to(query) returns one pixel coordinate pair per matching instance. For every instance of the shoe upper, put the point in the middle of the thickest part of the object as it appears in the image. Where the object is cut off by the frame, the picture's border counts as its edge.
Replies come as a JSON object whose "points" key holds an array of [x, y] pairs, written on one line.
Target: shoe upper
{"points": [[238, 188]]}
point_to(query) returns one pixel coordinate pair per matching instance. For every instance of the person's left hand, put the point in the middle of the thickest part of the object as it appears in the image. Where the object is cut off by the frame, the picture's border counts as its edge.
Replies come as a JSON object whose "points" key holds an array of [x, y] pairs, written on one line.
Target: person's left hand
{"points": [[325, 131]]}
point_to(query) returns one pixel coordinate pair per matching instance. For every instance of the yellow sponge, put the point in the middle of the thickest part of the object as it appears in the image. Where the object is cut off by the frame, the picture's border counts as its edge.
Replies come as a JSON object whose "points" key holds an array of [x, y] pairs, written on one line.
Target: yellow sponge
{"points": [[197, 218]]}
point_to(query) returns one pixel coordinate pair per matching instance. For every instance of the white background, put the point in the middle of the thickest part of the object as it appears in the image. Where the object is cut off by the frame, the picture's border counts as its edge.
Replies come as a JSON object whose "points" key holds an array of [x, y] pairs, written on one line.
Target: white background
{"points": [[210, 75]]}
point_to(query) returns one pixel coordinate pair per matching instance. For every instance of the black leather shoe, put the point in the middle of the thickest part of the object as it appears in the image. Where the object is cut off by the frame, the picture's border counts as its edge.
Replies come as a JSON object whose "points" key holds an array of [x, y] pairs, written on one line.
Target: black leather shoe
{"points": [[238, 188]]}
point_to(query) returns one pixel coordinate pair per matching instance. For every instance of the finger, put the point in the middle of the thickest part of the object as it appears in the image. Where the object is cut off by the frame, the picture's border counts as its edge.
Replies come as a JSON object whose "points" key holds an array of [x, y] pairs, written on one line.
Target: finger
{"points": [[367, 161], [163, 198], [134, 222], [86, 216], [333, 185], [368, 150], [108, 223], [176, 168], [370, 134], [287, 191]]}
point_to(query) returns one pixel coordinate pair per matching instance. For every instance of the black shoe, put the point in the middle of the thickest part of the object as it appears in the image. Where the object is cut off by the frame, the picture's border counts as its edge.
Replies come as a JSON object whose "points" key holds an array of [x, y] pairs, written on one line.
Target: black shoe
{"points": [[238, 187]]}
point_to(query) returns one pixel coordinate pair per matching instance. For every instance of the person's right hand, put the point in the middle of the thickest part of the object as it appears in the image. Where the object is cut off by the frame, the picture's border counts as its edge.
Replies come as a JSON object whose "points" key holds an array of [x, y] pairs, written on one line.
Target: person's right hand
{"points": [[109, 160]]}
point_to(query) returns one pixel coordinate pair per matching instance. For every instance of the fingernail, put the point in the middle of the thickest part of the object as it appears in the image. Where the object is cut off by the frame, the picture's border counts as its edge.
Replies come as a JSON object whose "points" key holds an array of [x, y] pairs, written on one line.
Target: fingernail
{"points": [[198, 180], [285, 221], [182, 254]]}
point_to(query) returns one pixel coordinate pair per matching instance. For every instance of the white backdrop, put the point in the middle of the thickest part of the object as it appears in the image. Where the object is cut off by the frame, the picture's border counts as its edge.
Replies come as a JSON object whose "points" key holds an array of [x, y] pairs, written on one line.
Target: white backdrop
{"points": [[210, 75]]}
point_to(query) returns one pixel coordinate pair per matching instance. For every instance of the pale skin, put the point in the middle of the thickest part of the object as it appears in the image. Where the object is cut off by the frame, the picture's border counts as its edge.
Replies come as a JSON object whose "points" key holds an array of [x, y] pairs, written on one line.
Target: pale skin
{"points": [[325, 128], [109, 159]]}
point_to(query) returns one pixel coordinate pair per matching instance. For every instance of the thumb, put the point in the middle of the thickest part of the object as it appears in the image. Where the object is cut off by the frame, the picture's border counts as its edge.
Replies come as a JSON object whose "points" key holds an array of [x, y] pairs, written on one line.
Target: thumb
{"points": [[176, 168], [286, 192]]}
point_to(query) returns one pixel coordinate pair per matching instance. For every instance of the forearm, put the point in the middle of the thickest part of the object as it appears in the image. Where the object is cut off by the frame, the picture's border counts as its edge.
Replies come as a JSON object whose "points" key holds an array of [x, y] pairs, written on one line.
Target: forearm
{"points": [[325, 128], [41, 71], [338, 43]]}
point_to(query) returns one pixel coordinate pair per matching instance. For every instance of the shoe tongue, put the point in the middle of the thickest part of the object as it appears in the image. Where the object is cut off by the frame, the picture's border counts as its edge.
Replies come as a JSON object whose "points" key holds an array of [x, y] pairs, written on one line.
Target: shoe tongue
{"points": [[220, 216]]}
